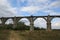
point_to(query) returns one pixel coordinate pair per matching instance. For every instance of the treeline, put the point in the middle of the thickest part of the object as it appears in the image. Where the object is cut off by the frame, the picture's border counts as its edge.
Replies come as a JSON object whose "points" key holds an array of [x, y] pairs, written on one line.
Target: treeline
{"points": [[20, 26]]}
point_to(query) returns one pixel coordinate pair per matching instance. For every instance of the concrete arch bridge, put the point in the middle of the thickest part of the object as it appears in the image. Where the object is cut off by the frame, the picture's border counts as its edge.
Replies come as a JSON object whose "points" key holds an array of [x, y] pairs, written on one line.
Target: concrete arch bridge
{"points": [[15, 19]]}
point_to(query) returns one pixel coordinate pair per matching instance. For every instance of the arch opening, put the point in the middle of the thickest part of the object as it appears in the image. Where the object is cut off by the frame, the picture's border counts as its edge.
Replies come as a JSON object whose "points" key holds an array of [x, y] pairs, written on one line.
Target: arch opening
{"points": [[40, 22], [55, 23], [9, 21], [25, 21]]}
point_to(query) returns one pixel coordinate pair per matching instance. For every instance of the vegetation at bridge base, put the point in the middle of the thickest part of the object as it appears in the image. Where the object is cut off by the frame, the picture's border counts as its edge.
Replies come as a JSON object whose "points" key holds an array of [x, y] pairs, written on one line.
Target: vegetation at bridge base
{"points": [[20, 26], [37, 34]]}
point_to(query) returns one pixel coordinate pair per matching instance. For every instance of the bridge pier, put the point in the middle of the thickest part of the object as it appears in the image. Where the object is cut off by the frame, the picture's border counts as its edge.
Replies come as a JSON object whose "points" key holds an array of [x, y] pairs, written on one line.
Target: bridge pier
{"points": [[49, 23], [31, 24], [3, 21], [14, 25], [48, 26], [15, 21]]}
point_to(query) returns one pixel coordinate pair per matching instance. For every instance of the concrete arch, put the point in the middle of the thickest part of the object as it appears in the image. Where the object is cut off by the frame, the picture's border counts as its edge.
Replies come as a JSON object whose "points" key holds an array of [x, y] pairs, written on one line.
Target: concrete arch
{"points": [[41, 18], [25, 20], [55, 23], [40, 21], [30, 19], [9, 21], [48, 19], [54, 18]]}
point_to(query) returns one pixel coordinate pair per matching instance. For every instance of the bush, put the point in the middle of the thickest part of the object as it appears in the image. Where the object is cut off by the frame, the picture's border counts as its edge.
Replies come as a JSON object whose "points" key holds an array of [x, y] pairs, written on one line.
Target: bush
{"points": [[21, 26], [36, 28]]}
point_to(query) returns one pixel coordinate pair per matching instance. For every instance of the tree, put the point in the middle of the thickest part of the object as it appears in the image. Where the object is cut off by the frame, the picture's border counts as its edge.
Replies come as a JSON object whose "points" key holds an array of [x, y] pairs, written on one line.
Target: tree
{"points": [[21, 26]]}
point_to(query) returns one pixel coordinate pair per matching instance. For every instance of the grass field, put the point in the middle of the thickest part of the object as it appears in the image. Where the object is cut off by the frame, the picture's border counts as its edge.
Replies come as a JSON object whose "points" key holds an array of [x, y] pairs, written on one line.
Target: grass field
{"points": [[40, 35], [4, 34], [27, 35]]}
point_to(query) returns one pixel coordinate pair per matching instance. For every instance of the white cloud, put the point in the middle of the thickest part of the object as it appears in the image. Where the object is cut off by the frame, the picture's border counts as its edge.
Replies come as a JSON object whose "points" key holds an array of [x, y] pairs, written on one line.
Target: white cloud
{"points": [[56, 25], [40, 5], [30, 2], [6, 9], [55, 4], [40, 22], [30, 9], [51, 12]]}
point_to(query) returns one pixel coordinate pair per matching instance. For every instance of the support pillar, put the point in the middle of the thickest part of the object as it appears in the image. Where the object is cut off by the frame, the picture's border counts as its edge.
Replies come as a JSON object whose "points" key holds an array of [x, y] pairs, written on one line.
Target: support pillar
{"points": [[31, 24], [14, 25], [48, 26], [3, 21], [15, 21], [49, 23]]}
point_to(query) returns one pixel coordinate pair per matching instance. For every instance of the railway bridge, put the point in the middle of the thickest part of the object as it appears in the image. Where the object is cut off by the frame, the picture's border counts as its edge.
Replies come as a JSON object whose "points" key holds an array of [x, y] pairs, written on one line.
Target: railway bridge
{"points": [[15, 19]]}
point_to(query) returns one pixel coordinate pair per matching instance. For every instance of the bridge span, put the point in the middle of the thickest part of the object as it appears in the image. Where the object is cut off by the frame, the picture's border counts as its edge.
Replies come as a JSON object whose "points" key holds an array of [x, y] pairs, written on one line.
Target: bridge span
{"points": [[15, 19]]}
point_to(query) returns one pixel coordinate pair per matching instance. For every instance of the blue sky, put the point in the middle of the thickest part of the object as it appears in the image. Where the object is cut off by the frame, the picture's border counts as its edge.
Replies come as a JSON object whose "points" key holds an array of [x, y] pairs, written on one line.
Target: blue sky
{"points": [[31, 7], [36, 7]]}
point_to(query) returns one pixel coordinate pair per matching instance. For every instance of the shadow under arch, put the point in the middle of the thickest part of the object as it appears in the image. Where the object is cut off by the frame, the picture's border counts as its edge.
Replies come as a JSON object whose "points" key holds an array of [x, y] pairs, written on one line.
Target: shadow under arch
{"points": [[9, 21], [25, 20], [40, 22], [55, 23]]}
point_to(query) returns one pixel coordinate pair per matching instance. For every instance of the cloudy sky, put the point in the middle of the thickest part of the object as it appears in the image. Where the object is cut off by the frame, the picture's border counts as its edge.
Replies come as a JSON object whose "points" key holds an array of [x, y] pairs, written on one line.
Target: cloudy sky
{"points": [[32, 7]]}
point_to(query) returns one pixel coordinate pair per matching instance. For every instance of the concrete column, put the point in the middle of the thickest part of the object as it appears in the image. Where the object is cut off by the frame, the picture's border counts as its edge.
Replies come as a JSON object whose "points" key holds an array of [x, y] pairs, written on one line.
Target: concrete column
{"points": [[14, 23], [3, 21], [48, 26], [48, 23], [31, 24]]}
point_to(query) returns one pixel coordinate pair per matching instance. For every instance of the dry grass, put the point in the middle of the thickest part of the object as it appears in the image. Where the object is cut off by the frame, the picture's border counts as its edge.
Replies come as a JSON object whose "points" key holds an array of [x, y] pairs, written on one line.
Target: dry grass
{"points": [[27, 35], [14, 35], [4, 34], [40, 35]]}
